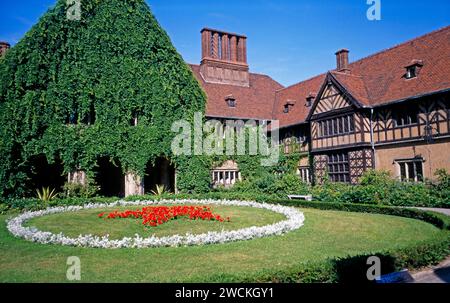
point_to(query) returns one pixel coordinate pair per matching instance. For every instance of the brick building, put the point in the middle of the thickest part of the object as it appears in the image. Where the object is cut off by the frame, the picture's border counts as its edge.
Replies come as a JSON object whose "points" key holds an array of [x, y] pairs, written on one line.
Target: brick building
{"points": [[388, 111]]}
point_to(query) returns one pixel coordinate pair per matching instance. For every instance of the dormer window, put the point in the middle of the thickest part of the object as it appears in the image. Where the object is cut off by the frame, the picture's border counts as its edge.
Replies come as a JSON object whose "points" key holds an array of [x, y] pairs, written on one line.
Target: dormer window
{"points": [[412, 70], [310, 99], [288, 106], [231, 101]]}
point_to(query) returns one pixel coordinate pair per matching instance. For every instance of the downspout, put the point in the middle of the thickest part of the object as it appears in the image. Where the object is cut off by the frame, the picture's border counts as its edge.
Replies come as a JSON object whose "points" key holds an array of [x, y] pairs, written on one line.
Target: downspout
{"points": [[372, 141]]}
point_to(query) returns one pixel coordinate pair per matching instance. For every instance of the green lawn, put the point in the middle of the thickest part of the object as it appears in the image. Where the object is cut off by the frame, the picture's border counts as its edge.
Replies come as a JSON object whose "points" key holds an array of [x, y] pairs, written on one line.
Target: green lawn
{"points": [[325, 234], [87, 222]]}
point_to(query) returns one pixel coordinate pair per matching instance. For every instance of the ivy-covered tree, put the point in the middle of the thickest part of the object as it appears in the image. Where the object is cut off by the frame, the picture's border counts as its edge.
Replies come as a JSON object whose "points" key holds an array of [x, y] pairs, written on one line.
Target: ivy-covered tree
{"points": [[74, 89]]}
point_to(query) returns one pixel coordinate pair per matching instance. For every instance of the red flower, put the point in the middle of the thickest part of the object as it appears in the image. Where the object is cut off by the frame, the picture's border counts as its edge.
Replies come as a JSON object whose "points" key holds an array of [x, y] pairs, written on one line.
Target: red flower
{"points": [[154, 216]]}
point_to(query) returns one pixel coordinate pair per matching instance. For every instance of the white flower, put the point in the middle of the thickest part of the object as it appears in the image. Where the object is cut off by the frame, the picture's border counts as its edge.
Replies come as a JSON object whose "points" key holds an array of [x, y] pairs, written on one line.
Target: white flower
{"points": [[294, 220]]}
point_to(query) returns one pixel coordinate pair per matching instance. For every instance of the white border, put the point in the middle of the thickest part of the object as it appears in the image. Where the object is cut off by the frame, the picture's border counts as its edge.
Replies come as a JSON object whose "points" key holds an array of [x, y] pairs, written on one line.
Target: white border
{"points": [[295, 220]]}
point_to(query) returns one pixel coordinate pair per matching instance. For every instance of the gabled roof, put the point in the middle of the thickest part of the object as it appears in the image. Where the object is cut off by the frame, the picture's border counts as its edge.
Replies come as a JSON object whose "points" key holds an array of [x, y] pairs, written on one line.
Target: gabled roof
{"points": [[380, 79], [383, 74], [298, 92], [354, 85], [254, 102], [376, 80]]}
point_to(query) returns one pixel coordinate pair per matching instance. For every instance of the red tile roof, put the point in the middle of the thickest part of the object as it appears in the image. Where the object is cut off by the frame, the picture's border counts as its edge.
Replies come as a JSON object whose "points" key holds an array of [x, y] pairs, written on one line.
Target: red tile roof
{"points": [[375, 80], [354, 85], [383, 74], [254, 102], [297, 93]]}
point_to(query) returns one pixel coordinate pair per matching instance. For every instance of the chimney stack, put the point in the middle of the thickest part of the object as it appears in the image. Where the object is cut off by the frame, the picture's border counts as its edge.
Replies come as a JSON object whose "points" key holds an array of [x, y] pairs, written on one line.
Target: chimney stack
{"points": [[342, 60], [224, 58], [4, 46]]}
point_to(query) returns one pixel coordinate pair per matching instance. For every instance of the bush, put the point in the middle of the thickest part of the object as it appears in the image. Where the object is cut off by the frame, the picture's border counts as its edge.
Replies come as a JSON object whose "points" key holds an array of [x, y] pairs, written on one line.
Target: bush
{"points": [[35, 204], [76, 190], [268, 185], [441, 190], [377, 187], [290, 185]]}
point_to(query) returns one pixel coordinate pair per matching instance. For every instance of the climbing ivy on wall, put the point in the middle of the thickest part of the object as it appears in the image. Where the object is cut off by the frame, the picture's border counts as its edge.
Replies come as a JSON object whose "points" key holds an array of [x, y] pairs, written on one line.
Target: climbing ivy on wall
{"points": [[69, 90]]}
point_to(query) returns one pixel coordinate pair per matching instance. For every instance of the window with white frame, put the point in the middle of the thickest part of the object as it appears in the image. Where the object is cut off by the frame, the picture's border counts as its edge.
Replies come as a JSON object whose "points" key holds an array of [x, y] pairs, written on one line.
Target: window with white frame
{"points": [[304, 173], [226, 178], [226, 175], [411, 169]]}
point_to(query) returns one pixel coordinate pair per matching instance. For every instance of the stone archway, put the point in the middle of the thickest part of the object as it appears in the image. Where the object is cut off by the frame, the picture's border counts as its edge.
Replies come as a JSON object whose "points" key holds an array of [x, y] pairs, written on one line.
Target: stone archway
{"points": [[42, 174], [162, 172], [110, 178]]}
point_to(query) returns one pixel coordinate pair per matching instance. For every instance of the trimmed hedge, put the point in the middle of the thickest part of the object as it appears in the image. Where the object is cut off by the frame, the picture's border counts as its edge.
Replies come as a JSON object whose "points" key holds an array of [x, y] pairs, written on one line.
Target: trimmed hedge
{"points": [[351, 269]]}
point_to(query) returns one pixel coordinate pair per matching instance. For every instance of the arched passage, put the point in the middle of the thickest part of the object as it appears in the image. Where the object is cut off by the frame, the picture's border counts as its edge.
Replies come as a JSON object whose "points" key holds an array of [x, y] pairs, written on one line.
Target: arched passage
{"points": [[43, 175], [109, 178], [160, 173]]}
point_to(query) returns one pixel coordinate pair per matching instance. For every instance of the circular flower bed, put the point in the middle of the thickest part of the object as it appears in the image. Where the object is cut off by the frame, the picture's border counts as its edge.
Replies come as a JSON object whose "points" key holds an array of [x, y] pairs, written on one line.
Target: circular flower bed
{"points": [[294, 220]]}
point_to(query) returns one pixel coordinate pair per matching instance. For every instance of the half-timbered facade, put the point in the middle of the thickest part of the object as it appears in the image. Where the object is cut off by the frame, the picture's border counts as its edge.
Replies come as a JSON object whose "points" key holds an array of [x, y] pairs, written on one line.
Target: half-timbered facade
{"points": [[388, 111], [341, 146]]}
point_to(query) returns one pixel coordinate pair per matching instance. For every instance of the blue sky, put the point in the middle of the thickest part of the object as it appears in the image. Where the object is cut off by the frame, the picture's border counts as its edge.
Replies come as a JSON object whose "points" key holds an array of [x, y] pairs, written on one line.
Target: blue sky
{"points": [[290, 40]]}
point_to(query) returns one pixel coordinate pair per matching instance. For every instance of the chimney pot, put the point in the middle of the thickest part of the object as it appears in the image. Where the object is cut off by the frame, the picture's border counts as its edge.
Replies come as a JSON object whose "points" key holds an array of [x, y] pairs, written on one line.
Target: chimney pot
{"points": [[224, 58], [342, 60]]}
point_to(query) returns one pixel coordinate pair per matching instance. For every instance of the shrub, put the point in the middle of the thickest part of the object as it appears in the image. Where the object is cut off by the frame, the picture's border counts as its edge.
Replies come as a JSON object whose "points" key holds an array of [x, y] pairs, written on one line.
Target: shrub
{"points": [[268, 185], [441, 190], [45, 195], [290, 184], [76, 190], [377, 187]]}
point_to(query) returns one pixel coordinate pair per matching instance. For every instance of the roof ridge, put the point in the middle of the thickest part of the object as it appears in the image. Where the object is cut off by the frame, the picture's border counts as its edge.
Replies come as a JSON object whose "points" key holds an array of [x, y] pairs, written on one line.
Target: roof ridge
{"points": [[267, 76], [345, 74], [298, 83], [447, 27]]}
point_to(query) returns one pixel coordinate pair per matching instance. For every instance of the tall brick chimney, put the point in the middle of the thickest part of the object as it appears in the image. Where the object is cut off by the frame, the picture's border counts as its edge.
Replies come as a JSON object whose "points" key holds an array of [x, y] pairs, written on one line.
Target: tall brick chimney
{"points": [[4, 46], [224, 58], [342, 60]]}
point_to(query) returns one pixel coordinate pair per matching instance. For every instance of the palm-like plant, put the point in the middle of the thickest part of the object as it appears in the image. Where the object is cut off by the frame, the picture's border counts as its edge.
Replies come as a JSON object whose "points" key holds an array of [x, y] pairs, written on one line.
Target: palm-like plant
{"points": [[159, 190], [46, 195]]}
